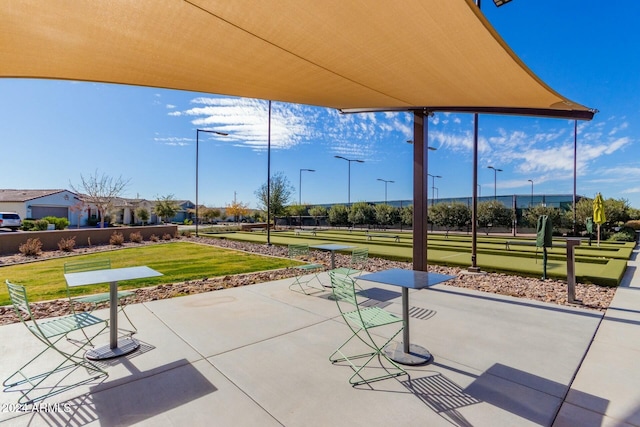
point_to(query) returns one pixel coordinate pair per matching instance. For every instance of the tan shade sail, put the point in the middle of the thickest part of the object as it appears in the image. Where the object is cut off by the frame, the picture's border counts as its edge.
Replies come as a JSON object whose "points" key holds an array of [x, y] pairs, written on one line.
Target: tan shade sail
{"points": [[345, 54]]}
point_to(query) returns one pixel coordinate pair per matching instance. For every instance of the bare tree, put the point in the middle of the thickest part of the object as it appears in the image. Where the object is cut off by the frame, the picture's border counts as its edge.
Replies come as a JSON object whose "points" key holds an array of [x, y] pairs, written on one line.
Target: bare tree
{"points": [[100, 190]]}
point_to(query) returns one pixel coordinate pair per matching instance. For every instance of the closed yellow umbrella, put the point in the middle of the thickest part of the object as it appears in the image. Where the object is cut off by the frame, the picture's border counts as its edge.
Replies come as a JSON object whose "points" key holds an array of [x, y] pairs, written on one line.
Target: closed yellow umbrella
{"points": [[598, 213]]}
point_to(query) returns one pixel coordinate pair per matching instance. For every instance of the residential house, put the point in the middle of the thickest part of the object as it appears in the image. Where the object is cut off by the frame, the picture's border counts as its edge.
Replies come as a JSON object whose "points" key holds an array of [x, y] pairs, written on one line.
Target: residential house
{"points": [[37, 204]]}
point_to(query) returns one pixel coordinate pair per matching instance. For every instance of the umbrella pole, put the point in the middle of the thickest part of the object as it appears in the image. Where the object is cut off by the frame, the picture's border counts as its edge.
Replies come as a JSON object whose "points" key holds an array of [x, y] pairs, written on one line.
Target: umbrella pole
{"points": [[598, 235]]}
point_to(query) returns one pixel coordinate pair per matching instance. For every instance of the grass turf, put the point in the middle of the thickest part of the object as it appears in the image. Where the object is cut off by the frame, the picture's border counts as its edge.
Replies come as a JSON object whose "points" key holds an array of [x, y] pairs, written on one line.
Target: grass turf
{"points": [[604, 265], [178, 261]]}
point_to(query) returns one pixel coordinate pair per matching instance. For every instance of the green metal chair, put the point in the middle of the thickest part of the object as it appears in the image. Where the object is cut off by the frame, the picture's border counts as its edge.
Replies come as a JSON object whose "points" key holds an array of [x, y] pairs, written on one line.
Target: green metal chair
{"points": [[103, 297], [362, 320], [359, 259], [308, 272], [50, 332]]}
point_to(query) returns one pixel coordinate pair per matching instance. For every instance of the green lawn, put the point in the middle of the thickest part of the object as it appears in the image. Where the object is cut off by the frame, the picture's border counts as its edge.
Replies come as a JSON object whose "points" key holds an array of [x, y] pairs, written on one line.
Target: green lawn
{"points": [[604, 265], [178, 261]]}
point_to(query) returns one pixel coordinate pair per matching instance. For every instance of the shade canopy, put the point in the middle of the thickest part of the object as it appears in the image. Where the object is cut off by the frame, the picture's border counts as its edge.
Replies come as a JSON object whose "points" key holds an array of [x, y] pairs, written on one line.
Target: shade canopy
{"points": [[356, 55]]}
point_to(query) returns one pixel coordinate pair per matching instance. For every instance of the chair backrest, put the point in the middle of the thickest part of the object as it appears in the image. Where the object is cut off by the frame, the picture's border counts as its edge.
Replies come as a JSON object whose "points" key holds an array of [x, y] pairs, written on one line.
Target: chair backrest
{"points": [[296, 250], [359, 256], [18, 296], [343, 288], [96, 264]]}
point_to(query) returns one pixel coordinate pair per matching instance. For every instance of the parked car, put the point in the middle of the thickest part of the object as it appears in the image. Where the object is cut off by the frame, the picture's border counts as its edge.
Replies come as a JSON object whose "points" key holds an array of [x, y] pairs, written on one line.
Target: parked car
{"points": [[10, 220]]}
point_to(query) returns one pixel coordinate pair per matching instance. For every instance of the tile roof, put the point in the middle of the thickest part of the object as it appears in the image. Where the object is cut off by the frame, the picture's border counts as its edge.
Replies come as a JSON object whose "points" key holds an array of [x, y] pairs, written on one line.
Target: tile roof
{"points": [[24, 195]]}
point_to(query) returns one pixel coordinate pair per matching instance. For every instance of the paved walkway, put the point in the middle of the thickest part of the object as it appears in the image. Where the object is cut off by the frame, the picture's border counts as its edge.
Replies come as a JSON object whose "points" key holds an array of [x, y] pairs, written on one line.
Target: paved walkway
{"points": [[258, 355]]}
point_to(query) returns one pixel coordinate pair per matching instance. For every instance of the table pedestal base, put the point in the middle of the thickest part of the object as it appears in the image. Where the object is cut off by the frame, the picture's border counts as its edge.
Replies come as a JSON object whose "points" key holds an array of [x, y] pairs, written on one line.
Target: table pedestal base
{"points": [[417, 355], [125, 346]]}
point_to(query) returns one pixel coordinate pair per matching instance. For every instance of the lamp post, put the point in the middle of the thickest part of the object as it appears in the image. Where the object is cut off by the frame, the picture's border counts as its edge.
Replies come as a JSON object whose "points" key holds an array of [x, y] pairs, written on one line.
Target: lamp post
{"points": [[197, 151], [495, 180], [433, 186], [386, 181], [531, 202], [349, 175], [474, 204], [300, 186]]}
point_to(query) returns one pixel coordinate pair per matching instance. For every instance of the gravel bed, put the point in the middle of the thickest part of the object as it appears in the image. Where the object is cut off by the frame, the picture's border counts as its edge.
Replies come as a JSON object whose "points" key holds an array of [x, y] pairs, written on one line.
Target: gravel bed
{"points": [[552, 291]]}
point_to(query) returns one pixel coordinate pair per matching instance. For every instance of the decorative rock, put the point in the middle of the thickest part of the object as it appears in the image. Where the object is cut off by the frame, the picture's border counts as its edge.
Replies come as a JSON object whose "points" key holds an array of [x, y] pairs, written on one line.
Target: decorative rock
{"points": [[552, 291]]}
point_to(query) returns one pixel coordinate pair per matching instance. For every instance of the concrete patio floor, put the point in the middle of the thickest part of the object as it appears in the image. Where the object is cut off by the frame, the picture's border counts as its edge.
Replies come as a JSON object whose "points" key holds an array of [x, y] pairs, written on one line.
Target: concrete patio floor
{"points": [[258, 355]]}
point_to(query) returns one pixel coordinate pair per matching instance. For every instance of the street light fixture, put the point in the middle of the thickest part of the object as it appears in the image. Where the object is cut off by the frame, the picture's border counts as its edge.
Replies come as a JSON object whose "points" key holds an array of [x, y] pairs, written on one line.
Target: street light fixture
{"points": [[385, 188], [531, 202], [349, 176], [197, 161], [300, 186], [495, 174], [433, 186], [410, 141]]}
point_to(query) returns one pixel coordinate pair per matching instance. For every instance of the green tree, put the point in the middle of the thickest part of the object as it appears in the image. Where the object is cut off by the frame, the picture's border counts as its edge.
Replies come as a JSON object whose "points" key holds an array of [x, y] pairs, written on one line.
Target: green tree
{"points": [[531, 216], [318, 212], [616, 211], [210, 214], [406, 214], [361, 213], [280, 195], [166, 207], [584, 210], [142, 214], [338, 215], [493, 214], [386, 214], [451, 216], [634, 213], [297, 210]]}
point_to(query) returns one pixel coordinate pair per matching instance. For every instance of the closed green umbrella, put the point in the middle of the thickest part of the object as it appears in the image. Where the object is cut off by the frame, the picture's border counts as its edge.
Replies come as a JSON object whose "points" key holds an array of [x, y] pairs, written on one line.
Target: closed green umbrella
{"points": [[598, 213]]}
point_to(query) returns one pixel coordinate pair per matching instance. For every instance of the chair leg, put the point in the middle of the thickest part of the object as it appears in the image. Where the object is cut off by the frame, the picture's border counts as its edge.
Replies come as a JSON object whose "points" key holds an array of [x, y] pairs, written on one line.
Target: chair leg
{"points": [[127, 332], [70, 362], [124, 332], [377, 351], [304, 285]]}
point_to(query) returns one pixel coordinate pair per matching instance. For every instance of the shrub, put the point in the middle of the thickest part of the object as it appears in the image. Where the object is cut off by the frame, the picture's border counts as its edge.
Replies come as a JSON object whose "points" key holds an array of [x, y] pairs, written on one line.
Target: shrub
{"points": [[28, 224], [154, 238], [635, 224], [626, 234], [166, 236], [59, 222], [185, 233], [135, 237], [32, 247], [187, 221], [67, 245], [41, 224], [116, 238]]}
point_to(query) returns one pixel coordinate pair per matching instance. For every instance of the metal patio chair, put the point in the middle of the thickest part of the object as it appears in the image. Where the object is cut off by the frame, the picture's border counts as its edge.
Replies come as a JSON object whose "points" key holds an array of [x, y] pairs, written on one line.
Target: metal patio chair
{"points": [[361, 321], [308, 272], [94, 299], [359, 259], [50, 332]]}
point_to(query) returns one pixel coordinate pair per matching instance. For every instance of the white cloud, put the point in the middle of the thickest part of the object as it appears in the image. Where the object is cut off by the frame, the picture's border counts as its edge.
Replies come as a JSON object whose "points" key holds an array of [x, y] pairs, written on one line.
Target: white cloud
{"points": [[173, 141], [246, 122]]}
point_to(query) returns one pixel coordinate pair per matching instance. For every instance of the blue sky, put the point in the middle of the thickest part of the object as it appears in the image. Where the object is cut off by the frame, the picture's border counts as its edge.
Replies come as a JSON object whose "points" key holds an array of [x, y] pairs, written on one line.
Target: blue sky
{"points": [[53, 132]]}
